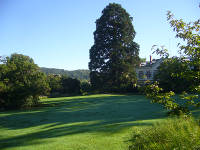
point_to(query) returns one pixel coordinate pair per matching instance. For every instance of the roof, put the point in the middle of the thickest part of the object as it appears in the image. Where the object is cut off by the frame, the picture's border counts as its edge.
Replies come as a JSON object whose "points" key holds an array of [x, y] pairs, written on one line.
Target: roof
{"points": [[151, 64]]}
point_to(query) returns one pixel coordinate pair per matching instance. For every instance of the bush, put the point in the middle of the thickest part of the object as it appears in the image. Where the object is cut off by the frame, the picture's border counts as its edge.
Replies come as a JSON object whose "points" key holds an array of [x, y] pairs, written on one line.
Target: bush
{"points": [[182, 134], [21, 82], [70, 86], [85, 87]]}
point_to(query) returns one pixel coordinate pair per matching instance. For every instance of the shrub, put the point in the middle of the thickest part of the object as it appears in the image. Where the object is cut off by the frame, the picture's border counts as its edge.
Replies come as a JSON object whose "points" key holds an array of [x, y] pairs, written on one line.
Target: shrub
{"points": [[179, 134], [70, 86], [85, 87]]}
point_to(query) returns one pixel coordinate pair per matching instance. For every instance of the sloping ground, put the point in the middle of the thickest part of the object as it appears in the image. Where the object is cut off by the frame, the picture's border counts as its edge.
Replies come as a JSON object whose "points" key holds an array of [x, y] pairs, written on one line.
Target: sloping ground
{"points": [[96, 122], [81, 74]]}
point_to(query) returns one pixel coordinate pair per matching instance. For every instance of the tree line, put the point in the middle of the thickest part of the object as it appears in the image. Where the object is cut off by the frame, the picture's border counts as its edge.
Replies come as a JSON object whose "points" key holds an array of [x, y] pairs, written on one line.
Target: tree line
{"points": [[22, 83], [81, 74], [114, 57]]}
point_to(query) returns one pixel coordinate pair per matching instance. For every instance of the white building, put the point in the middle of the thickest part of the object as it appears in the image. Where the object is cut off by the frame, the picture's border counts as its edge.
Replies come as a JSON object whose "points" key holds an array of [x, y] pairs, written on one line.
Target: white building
{"points": [[147, 70]]}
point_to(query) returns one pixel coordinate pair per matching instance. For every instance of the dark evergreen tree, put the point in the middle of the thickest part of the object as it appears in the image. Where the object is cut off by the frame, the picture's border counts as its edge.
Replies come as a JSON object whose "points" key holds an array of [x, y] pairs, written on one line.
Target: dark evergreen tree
{"points": [[114, 55], [70, 86]]}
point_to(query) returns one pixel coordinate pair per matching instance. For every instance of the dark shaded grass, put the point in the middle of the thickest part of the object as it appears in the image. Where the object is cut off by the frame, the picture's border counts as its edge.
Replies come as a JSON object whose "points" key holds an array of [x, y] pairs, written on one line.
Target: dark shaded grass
{"points": [[103, 114]]}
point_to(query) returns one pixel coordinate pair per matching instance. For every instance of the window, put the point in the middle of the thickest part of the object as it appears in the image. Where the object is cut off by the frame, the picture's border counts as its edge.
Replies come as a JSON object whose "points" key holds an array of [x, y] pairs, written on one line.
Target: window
{"points": [[141, 74], [148, 74]]}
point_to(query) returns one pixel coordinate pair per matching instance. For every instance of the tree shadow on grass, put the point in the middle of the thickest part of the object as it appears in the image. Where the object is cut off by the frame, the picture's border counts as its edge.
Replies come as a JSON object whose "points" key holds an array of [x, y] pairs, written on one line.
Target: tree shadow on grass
{"points": [[36, 137], [76, 115]]}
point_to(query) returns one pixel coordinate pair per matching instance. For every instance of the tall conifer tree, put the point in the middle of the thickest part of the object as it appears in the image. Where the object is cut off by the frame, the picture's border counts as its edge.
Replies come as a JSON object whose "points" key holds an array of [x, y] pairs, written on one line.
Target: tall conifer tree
{"points": [[114, 55]]}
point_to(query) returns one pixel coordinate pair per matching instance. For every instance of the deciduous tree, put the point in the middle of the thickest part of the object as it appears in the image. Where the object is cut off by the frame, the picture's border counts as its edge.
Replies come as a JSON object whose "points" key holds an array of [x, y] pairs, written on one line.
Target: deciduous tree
{"points": [[22, 82], [168, 75], [189, 32]]}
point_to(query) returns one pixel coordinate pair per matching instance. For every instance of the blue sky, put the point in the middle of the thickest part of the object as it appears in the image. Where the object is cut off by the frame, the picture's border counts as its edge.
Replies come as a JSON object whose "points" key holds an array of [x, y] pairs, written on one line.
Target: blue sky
{"points": [[59, 33]]}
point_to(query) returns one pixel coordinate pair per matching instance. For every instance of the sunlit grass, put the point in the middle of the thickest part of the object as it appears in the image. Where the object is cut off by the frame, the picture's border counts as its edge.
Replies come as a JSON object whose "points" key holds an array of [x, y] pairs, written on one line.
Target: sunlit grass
{"points": [[94, 122]]}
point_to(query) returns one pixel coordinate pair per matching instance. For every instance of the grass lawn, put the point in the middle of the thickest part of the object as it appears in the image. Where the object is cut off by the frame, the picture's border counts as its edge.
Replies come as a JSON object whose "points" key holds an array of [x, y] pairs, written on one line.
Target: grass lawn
{"points": [[96, 122]]}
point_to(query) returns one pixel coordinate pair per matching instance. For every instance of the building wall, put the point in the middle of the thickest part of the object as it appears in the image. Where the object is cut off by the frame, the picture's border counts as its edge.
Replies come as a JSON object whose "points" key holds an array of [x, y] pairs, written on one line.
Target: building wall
{"points": [[145, 73]]}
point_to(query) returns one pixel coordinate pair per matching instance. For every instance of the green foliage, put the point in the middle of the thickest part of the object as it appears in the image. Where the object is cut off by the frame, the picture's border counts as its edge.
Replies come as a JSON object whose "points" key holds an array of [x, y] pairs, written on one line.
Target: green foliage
{"points": [[62, 85], [169, 75], [142, 60], [114, 55], [78, 74], [70, 86], [189, 32], [21, 82], [162, 51], [85, 87], [175, 70], [183, 134], [175, 105], [54, 82]]}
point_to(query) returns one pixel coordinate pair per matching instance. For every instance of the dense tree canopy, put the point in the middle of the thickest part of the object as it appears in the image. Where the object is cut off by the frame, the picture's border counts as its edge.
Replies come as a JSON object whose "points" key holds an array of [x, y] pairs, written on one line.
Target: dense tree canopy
{"points": [[114, 54], [54, 83], [168, 75], [70, 85], [62, 85], [21, 82]]}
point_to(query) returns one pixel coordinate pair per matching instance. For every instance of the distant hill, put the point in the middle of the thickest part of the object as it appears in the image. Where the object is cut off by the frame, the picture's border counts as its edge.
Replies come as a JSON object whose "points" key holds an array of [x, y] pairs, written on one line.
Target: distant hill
{"points": [[81, 74]]}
